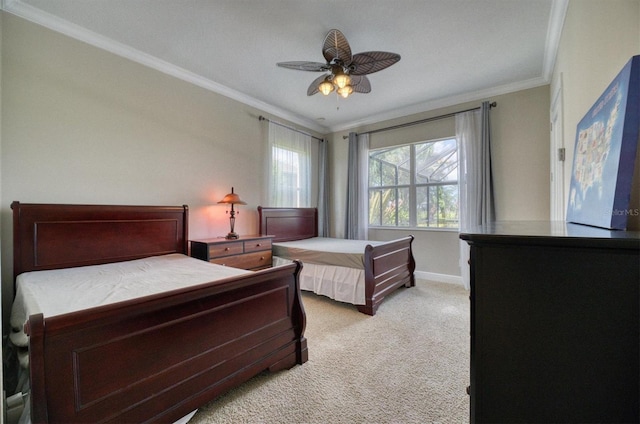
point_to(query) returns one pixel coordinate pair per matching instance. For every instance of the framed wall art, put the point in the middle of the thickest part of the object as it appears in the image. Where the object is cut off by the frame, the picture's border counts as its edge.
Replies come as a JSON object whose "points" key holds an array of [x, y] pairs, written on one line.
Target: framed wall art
{"points": [[605, 154]]}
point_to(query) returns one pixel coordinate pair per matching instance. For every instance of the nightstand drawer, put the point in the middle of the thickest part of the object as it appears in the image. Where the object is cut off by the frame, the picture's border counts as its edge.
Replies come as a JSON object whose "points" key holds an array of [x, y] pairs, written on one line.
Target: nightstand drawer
{"points": [[225, 249], [257, 245], [248, 252], [246, 261]]}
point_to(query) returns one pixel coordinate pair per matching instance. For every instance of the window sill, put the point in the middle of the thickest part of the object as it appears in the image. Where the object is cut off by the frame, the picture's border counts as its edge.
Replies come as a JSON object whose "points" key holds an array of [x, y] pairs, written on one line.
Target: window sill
{"points": [[413, 229]]}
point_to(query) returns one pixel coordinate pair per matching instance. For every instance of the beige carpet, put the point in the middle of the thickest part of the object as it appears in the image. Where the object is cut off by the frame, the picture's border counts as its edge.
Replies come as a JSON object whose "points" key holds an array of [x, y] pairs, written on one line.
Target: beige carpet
{"points": [[408, 364]]}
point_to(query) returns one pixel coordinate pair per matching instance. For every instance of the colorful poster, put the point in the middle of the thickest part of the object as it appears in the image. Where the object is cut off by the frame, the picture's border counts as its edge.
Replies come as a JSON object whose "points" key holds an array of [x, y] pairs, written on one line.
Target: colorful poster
{"points": [[605, 152]]}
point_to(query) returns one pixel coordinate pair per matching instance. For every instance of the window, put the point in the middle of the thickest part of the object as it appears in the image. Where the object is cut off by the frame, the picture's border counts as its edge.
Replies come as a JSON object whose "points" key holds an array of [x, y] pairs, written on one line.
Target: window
{"points": [[414, 185], [289, 168]]}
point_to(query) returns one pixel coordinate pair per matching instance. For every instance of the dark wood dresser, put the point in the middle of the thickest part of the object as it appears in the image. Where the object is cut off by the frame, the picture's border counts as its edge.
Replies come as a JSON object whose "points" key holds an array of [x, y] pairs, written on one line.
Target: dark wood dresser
{"points": [[554, 323], [247, 252]]}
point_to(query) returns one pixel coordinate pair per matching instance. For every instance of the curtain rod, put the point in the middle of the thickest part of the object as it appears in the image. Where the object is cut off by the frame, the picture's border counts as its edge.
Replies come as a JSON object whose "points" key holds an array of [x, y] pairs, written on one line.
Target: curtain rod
{"points": [[422, 121], [262, 118]]}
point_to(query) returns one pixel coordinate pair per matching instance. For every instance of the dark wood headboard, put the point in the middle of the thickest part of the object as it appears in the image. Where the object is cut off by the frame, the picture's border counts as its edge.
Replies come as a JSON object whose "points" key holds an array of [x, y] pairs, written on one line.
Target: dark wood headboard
{"points": [[52, 236], [287, 224]]}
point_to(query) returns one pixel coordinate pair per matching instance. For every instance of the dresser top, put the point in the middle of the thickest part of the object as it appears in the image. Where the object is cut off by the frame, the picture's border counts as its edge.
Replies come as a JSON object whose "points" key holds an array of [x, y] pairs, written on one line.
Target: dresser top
{"points": [[551, 233]]}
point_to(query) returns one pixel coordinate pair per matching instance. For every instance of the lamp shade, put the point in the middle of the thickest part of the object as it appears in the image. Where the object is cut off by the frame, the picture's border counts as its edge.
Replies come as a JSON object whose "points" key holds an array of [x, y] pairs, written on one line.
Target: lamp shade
{"points": [[232, 199], [342, 80], [345, 91], [325, 87]]}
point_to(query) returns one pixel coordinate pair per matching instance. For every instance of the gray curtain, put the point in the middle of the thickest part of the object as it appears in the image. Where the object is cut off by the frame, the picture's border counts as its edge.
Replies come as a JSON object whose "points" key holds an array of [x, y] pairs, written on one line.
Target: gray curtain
{"points": [[487, 207], [357, 218], [473, 132], [323, 194]]}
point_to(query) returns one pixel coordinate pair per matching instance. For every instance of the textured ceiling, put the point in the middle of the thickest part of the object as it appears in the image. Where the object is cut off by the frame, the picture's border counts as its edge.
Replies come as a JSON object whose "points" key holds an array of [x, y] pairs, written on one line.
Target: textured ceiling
{"points": [[452, 50]]}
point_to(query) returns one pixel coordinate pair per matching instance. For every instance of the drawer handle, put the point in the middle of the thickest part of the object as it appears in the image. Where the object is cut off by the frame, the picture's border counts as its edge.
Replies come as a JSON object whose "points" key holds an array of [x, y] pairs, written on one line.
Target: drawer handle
{"points": [[226, 249], [262, 258], [258, 245]]}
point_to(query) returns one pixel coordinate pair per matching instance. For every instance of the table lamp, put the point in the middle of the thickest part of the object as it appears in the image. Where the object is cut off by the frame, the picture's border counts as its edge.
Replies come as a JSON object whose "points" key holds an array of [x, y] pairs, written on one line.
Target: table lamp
{"points": [[232, 199]]}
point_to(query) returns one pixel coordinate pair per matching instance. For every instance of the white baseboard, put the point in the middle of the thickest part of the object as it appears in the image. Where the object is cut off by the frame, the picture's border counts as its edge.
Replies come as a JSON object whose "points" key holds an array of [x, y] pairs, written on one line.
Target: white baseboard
{"points": [[441, 278]]}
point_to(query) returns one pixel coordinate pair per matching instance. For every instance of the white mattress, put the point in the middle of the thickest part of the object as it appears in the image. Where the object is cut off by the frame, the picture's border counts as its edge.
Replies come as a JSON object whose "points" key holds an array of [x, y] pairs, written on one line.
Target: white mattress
{"points": [[325, 251], [61, 291]]}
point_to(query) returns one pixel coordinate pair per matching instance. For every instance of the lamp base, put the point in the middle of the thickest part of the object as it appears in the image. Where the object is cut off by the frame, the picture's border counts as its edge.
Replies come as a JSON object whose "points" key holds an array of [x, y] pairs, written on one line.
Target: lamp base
{"points": [[232, 236]]}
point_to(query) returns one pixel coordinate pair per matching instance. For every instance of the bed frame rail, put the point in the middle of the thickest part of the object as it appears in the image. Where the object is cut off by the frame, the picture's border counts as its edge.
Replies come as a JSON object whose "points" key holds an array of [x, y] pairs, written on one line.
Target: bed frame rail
{"points": [[387, 267], [141, 361]]}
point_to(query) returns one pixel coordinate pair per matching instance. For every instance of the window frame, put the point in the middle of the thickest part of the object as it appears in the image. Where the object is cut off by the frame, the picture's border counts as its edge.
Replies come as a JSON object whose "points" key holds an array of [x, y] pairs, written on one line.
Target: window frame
{"points": [[297, 188], [289, 142], [412, 188]]}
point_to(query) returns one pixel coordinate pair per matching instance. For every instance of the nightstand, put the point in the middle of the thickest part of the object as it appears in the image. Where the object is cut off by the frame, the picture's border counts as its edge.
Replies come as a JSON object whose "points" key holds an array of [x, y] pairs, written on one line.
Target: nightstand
{"points": [[247, 252]]}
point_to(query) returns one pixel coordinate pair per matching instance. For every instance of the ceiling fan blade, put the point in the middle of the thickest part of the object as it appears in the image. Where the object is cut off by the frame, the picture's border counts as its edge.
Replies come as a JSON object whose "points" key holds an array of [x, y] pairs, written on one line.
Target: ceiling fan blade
{"points": [[305, 66], [370, 62], [336, 47], [313, 87], [360, 84]]}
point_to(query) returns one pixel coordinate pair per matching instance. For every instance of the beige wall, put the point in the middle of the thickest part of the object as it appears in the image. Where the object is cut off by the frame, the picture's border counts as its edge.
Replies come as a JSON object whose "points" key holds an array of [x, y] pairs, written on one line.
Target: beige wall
{"points": [[598, 39], [520, 150], [85, 126]]}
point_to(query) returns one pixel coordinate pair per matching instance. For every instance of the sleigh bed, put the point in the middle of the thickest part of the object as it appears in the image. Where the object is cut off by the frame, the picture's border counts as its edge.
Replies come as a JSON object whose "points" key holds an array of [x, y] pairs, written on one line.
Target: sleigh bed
{"points": [[360, 272], [157, 357]]}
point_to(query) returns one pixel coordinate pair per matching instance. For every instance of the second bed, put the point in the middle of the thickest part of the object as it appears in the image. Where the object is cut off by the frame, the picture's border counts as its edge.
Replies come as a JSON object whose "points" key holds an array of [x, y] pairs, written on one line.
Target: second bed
{"points": [[360, 272]]}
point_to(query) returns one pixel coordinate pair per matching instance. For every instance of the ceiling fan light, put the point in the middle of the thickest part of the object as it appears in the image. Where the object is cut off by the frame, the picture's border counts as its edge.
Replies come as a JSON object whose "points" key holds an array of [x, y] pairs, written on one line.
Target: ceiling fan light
{"points": [[345, 91], [342, 80], [325, 87]]}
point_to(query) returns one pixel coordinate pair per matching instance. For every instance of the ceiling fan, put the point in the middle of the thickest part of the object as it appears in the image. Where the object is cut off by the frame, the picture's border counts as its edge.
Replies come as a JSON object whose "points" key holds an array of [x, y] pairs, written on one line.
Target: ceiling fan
{"points": [[346, 71]]}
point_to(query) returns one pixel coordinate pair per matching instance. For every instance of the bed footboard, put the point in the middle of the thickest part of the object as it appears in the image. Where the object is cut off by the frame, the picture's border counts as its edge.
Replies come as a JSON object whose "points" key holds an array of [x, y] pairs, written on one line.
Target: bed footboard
{"points": [[387, 267], [157, 358]]}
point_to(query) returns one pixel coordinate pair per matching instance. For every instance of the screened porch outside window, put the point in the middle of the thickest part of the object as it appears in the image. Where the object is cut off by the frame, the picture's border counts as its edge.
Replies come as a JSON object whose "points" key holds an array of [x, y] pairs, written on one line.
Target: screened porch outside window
{"points": [[415, 185]]}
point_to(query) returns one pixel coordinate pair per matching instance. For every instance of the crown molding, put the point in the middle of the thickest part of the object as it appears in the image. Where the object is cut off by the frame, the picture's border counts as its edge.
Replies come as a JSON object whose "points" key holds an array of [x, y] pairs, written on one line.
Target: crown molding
{"points": [[47, 20], [554, 32], [443, 102]]}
